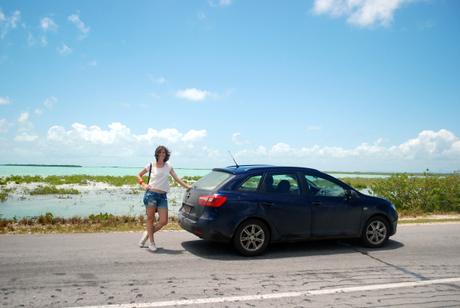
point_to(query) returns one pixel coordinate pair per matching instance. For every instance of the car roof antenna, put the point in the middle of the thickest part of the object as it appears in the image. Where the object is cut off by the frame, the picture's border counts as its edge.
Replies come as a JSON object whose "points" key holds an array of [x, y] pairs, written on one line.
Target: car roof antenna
{"points": [[236, 164]]}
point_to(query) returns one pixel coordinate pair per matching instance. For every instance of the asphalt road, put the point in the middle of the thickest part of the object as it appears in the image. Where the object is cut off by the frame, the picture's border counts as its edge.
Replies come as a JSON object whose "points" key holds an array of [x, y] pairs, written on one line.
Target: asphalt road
{"points": [[76, 270]]}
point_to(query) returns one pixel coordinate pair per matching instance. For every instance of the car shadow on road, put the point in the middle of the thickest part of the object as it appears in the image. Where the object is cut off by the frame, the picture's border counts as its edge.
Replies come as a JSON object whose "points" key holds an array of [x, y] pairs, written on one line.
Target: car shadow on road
{"points": [[223, 251]]}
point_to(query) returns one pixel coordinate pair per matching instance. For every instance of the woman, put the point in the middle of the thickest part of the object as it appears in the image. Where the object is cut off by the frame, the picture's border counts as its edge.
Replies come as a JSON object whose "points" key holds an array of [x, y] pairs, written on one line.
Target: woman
{"points": [[155, 196]]}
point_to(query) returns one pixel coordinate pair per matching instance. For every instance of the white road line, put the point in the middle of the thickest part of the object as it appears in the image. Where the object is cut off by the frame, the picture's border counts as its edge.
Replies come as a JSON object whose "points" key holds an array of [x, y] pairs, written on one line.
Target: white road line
{"points": [[213, 300]]}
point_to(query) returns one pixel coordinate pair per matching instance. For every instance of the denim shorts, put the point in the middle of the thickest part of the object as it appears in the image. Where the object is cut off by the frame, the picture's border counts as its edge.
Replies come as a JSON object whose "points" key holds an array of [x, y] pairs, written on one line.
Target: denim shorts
{"points": [[154, 199]]}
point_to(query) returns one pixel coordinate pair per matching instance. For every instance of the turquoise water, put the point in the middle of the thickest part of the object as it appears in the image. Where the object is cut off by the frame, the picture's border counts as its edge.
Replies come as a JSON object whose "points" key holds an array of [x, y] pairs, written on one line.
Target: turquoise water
{"points": [[117, 201], [122, 171], [113, 171]]}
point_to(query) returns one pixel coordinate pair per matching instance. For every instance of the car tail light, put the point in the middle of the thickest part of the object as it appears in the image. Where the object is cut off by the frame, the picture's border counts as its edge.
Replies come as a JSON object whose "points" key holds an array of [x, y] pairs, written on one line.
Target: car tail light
{"points": [[213, 200]]}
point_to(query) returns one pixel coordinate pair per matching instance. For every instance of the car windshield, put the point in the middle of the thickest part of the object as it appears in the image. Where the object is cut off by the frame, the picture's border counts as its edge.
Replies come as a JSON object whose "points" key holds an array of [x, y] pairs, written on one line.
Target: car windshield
{"points": [[212, 180]]}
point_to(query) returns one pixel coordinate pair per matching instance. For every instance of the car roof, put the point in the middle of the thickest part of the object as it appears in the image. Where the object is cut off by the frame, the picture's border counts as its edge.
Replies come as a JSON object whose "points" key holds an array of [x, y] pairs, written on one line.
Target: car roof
{"points": [[240, 169]]}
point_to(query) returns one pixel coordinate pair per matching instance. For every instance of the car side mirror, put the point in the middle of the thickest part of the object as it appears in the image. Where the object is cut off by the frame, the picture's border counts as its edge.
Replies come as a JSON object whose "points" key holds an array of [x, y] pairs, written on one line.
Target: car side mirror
{"points": [[350, 195]]}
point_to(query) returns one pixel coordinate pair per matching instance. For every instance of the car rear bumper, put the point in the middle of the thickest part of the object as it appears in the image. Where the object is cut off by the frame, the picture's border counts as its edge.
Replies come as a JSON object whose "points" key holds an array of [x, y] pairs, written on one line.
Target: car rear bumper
{"points": [[202, 228]]}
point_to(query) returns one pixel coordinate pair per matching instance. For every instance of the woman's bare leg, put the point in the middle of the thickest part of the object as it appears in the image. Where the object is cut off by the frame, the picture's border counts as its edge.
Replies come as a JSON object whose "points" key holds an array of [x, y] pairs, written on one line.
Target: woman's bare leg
{"points": [[163, 221], [150, 220]]}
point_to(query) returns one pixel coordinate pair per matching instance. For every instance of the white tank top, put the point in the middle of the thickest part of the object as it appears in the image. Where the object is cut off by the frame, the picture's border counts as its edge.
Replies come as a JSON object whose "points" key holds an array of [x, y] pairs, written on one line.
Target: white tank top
{"points": [[159, 176]]}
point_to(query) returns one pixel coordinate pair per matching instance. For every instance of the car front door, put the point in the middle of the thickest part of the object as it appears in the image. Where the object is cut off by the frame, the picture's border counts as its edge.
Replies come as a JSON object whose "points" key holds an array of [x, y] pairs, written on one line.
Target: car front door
{"points": [[283, 202], [334, 213]]}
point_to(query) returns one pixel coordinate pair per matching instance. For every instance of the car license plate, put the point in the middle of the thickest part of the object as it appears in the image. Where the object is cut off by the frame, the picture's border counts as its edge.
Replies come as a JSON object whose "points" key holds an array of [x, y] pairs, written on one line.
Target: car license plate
{"points": [[187, 208]]}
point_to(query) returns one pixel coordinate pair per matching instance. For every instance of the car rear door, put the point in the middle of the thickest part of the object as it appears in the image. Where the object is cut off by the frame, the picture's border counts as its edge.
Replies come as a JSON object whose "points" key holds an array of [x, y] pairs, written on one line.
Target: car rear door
{"points": [[282, 201], [333, 213]]}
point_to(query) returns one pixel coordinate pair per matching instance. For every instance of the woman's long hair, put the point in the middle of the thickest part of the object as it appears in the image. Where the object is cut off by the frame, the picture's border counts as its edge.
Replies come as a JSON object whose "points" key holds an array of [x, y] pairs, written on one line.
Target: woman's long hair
{"points": [[162, 147]]}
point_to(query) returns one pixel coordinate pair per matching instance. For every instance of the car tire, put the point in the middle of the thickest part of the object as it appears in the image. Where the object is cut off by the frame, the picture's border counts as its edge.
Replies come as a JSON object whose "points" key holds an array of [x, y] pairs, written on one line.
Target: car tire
{"points": [[251, 237], [376, 232]]}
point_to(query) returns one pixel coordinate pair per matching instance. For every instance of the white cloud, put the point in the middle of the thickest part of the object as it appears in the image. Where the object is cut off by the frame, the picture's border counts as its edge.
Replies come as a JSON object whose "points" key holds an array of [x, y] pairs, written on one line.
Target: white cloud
{"points": [[47, 24], [25, 137], [8, 23], [361, 13], [238, 140], [50, 102], [57, 133], [225, 2], [281, 148], [75, 19], [119, 133], [117, 144], [96, 135], [220, 3], [429, 149], [168, 134], [23, 118], [64, 50], [3, 125], [429, 144], [24, 125], [193, 94], [4, 100], [193, 135]]}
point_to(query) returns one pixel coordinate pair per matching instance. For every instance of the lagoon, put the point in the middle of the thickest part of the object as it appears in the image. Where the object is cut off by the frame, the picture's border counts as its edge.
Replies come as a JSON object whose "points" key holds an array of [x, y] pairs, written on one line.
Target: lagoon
{"points": [[97, 197], [112, 171], [123, 171]]}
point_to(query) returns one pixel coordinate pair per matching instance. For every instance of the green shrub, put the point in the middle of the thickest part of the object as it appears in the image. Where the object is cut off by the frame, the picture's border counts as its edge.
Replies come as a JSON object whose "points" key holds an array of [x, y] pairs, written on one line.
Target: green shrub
{"points": [[4, 192], [360, 183], [46, 219], [82, 179], [53, 190], [416, 195]]}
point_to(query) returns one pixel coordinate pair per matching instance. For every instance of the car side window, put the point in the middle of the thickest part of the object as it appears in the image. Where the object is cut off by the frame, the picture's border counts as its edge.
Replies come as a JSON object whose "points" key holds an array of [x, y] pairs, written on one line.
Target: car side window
{"points": [[319, 186], [281, 184], [251, 183]]}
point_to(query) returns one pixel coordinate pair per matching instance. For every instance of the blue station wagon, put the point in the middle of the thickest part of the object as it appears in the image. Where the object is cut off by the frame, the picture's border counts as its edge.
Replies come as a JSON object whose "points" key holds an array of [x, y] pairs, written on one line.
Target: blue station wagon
{"points": [[252, 206]]}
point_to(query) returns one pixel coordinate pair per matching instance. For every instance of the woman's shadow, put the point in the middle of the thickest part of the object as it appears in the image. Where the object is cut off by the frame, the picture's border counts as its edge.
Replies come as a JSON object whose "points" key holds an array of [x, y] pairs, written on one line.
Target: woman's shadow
{"points": [[161, 250]]}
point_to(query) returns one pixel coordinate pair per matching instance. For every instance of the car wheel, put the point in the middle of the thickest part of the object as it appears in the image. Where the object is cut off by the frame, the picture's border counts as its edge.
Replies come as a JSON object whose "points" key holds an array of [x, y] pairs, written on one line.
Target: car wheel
{"points": [[251, 237], [376, 232]]}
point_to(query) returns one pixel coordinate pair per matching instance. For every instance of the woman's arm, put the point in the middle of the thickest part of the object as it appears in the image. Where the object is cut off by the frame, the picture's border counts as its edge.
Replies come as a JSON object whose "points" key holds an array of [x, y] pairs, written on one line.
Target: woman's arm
{"points": [[178, 179], [140, 180]]}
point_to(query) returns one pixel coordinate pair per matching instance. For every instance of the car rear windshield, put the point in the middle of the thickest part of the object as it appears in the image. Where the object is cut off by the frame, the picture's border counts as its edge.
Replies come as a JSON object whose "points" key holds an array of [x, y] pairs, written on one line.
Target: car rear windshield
{"points": [[212, 180]]}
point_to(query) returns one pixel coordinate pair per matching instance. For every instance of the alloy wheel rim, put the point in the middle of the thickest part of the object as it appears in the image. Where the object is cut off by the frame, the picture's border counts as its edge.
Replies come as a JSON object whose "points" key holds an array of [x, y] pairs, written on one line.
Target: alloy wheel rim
{"points": [[376, 232], [252, 237]]}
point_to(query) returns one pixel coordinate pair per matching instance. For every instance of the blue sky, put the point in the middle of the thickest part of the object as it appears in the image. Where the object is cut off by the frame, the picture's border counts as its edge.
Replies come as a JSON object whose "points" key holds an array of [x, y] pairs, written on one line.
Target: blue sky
{"points": [[348, 85]]}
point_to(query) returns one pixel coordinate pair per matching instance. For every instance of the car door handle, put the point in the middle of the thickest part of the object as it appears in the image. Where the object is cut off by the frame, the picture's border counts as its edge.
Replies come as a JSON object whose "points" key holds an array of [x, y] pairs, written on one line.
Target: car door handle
{"points": [[316, 203], [266, 203]]}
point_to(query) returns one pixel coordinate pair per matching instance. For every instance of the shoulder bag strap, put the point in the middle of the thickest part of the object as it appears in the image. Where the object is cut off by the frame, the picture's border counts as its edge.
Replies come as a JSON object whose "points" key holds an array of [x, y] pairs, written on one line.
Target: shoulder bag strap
{"points": [[150, 172]]}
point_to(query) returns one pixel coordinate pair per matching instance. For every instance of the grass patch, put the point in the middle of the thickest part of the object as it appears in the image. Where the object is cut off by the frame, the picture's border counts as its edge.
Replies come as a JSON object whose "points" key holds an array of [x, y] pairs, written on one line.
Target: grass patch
{"points": [[4, 192], [427, 220], [361, 183], [105, 222], [102, 222], [82, 179], [187, 179], [53, 190]]}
